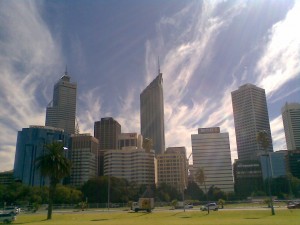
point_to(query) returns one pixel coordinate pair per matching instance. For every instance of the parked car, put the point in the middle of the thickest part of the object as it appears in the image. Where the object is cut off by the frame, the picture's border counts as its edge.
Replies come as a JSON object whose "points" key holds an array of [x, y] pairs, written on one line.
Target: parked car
{"points": [[294, 205], [212, 206], [188, 206], [11, 209], [7, 217]]}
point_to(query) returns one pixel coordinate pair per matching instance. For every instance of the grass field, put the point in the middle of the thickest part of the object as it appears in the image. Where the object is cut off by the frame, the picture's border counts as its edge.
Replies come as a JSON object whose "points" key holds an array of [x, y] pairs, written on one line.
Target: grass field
{"points": [[236, 217]]}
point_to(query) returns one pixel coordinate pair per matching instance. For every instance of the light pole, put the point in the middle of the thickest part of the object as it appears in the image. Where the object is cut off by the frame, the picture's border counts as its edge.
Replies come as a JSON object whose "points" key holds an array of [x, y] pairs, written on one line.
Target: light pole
{"points": [[262, 139]]}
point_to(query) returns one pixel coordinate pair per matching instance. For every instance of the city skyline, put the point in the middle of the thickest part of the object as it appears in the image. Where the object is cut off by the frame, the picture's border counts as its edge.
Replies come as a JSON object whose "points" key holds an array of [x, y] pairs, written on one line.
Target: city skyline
{"points": [[206, 50]]}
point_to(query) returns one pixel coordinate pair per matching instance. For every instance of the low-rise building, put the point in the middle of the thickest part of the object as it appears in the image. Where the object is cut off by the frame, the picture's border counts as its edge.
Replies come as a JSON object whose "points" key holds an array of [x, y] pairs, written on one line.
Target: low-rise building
{"points": [[172, 168]]}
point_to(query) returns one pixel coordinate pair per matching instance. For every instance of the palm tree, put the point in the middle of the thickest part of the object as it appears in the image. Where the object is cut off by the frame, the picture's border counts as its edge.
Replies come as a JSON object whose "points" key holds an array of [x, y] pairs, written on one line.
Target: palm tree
{"points": [[201, 178], [55, 166], [263, 141]]}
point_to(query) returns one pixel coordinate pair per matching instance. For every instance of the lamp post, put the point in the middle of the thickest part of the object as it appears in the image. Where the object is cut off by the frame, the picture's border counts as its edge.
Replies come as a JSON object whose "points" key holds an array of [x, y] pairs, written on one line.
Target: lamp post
{"points": [[262, 139]]}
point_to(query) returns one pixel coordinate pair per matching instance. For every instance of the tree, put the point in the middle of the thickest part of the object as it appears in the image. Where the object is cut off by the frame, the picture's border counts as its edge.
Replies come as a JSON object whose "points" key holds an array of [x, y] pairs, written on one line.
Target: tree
{"points": [[263, 141], [55, 166], [201, 179], [193, 191]]}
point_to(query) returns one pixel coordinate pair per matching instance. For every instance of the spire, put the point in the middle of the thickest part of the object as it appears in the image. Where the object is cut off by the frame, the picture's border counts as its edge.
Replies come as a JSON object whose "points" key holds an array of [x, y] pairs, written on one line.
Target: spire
{"points": [[158, 65], [66, 71]]}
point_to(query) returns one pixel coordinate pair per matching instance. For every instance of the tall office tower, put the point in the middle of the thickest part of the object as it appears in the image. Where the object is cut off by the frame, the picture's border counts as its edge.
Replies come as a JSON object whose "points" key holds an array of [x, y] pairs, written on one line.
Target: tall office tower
{"points": [[211, 152], [61, 111], [250, 113], [133, 164], [30, 145], [291, 123], [152, 114], [172, 168], [106, 131], [83, 155]]}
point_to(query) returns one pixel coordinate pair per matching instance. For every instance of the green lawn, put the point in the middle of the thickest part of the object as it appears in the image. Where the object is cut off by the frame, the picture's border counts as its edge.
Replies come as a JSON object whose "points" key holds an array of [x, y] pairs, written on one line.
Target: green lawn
{"points": [[241, 217]]}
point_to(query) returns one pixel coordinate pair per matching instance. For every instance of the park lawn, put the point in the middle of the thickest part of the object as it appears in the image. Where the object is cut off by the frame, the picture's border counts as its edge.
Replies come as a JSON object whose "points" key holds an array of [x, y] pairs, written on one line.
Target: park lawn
{"points": [[241, 217]]}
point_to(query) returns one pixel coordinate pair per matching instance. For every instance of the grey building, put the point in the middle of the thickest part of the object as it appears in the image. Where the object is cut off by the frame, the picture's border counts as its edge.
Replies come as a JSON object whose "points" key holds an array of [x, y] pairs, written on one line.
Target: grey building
{"points": [[291, 123], [211, 152], [83, 155], [61, 111], [152, 114], [31, 145], [107, 131], [250, 113]]}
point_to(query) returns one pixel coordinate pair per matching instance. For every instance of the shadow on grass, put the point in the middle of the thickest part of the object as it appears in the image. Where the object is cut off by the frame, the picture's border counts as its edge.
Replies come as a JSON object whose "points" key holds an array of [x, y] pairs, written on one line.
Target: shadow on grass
{"points": [[255, 218], [30, 221], [100, 220], [140, 214]]}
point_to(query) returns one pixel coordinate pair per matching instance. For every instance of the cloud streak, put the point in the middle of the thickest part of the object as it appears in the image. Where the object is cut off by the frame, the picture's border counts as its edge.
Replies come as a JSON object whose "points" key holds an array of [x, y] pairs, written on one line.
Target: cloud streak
{"points": [[27, 55]]}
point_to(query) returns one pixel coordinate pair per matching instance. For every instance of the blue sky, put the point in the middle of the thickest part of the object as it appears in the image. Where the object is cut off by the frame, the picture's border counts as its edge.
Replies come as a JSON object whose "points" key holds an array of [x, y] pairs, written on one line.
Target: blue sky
{"points": [[206, 49]]}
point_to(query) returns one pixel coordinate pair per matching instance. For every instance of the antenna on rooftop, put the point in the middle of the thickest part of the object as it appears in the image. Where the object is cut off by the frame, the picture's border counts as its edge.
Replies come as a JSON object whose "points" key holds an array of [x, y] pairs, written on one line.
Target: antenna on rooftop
{"points": [[158, 64]]}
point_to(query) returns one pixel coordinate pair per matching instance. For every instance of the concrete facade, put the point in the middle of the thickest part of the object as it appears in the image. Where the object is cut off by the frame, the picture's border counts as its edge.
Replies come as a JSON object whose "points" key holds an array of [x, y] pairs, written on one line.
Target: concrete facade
{"points": [[130, 140], [250, 113], [291, 123], [172, 168], [132, 164], [83, 155], [152, 114], [211, 152]]}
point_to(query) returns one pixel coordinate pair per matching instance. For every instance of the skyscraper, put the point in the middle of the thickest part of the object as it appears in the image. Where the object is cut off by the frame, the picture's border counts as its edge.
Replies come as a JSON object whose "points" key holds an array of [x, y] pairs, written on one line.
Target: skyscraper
{"points": [[250, 113], [291, 123], [211, 152], [61, 111], [152, 114], [106, 131]]}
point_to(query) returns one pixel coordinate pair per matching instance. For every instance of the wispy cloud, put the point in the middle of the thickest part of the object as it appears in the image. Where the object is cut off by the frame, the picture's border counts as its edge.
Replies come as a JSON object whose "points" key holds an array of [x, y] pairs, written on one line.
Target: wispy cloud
{"points": [[27, 55], [278, 135], [188, 39], [279, 63]]}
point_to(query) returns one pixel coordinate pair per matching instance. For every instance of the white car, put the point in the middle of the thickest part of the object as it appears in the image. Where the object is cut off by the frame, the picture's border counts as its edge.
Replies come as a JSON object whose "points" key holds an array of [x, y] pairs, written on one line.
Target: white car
{"points": [[7, 217], [212, 206]]}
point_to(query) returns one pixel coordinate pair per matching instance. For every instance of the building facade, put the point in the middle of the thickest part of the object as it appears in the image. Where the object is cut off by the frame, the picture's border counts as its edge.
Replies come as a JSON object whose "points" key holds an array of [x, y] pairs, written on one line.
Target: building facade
{"points": [[61, 111], [172, 168], [250, 113], [273, 164], [106, 131], [211, 152], [293, 163], [130, 140], [248, 177], [31, 145], [152, 114], [83, 155], [291, 123], [6, 177], [132, 164]]}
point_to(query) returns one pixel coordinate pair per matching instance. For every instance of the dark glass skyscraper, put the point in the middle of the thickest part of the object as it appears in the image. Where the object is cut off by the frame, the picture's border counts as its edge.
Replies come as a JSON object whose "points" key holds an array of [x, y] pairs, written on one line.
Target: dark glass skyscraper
{"points": [[250, 113], [61, 112], [106, 131], [152, 114]]}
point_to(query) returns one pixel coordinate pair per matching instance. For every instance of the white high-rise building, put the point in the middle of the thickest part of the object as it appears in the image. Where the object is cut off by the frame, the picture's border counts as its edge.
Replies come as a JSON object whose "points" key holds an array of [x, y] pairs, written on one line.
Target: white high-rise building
{"points": [[61, 111], [211, 152], [250, 113], [291, 122], [130, 163], [152, 114]]}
